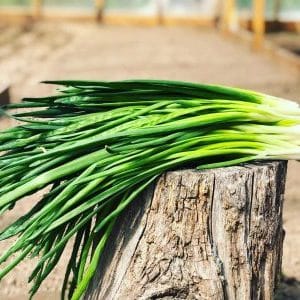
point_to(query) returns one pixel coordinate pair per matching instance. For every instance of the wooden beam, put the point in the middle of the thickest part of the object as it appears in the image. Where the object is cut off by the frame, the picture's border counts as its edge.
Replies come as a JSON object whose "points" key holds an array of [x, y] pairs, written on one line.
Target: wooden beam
{"points": [[100, 5], [36, 6], [131, 20], [258, 23], [228, 18], [160, 12], [110, 18]]}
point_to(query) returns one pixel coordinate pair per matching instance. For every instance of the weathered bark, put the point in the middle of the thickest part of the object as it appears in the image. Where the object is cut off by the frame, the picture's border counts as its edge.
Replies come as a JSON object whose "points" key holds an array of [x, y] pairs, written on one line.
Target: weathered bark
{"points": [[4, 94], [214, 234]]}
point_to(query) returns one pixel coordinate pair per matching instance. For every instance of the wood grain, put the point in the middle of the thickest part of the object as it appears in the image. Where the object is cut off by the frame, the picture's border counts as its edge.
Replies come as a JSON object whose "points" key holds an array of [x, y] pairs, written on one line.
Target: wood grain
{"points": [[214, 234]]}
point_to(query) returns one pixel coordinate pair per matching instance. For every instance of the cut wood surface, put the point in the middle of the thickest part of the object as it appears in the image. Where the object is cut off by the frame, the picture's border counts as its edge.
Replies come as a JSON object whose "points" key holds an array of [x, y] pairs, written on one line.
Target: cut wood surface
{"points": [[213, 234]]}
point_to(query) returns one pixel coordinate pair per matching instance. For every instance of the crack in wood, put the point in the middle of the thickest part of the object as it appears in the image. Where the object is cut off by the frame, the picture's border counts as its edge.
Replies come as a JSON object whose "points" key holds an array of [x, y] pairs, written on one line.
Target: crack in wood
{"points": [[213, 234]]}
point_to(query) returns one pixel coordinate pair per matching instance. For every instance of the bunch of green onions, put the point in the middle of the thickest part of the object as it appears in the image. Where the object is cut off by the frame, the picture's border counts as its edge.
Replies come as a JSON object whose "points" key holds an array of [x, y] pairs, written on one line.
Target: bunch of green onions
{"points": [[98, 145]]}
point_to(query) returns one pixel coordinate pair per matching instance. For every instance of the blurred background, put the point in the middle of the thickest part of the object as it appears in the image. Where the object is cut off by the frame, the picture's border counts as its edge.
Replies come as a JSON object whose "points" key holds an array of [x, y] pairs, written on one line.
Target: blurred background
{"points": [[245, 43]]}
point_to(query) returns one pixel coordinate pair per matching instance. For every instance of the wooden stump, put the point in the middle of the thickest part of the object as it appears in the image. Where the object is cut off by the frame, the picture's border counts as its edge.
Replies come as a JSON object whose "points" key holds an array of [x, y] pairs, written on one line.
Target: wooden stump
{"points": [[4, 94], [214, 234]]}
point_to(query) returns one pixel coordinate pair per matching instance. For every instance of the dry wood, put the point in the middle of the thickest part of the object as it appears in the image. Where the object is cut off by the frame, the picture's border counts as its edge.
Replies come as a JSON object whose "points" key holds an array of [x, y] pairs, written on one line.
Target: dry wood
{"points": [[214, 234], [4, 94], [37, 7], [258, 23]]}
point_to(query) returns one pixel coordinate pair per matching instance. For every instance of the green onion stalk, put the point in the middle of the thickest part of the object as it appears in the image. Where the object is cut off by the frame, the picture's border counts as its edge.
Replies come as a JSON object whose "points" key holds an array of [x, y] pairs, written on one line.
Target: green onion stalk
{"points": [[97, 145]]}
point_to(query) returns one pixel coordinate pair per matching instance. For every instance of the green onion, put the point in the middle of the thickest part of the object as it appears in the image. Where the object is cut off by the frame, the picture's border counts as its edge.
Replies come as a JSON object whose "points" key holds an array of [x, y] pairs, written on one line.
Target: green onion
{"points": [[98, 145]]}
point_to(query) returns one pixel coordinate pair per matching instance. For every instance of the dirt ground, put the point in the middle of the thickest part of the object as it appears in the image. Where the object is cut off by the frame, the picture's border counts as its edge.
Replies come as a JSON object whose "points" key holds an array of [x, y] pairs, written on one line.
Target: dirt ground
{"points": [[29, 54]]}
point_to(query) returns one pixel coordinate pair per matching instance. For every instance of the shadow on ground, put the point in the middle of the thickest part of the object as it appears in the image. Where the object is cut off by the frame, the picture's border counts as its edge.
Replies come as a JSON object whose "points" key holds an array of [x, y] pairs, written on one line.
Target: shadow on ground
{"points": [[289, 289]]}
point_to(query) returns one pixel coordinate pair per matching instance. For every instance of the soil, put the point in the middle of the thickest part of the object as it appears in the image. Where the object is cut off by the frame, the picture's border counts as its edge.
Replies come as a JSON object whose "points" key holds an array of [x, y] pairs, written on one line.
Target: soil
{"points": [[31, 53]]}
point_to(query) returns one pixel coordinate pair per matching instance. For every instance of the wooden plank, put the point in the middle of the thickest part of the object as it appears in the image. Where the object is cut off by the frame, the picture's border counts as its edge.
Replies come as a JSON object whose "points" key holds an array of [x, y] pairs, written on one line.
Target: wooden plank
{"points": [[122, 19], [198, 21], [213, 234], [15, 16], [258, 22]]}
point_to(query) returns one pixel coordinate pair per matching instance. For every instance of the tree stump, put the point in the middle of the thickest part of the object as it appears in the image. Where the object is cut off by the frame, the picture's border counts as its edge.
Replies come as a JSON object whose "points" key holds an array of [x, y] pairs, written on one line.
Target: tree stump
{"points": [[4, 94], [213, 234]]}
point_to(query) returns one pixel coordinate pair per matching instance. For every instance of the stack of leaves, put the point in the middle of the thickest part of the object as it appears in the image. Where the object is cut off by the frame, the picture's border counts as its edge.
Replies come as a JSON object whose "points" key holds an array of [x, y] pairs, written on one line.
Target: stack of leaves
{"points": [[97, 145]]}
